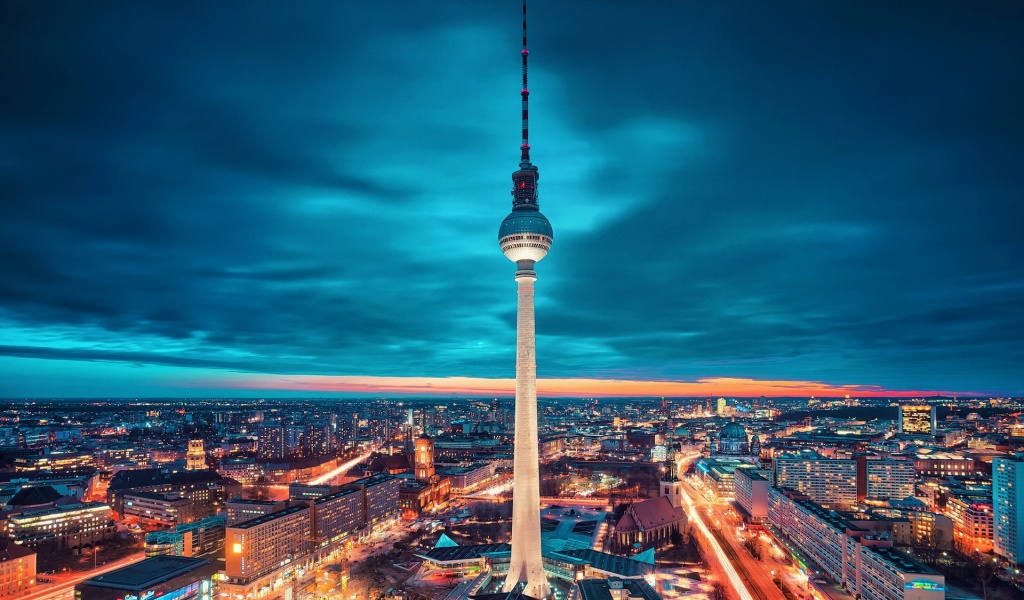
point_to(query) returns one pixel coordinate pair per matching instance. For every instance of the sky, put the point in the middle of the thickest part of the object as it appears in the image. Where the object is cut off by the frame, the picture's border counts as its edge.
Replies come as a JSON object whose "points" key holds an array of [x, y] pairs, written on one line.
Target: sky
{"points": [[748, 198]]}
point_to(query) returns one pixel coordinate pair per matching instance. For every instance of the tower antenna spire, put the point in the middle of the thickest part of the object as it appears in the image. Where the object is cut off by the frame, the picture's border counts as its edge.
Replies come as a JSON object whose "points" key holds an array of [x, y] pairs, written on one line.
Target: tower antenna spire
{"points": [[525, 148]]}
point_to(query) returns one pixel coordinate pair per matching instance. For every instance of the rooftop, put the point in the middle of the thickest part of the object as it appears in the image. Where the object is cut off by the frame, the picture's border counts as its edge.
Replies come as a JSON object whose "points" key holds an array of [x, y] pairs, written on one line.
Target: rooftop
{"points": [[600, 589], [147, 573], [272, 516]]}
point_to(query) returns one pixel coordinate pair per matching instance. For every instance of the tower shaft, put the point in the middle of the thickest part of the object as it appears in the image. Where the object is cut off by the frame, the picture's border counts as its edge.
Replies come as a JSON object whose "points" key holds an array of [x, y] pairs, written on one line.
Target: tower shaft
{"points": [[526, 564]]}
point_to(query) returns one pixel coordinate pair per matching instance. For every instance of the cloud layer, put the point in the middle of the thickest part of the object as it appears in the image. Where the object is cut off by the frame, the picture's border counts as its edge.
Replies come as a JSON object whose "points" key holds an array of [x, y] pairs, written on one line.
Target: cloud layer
{"points": [[807, 191]]}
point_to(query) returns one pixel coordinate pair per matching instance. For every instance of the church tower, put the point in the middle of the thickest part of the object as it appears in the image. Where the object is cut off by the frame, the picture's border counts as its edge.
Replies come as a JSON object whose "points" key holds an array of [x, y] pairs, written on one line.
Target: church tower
{"points": [[670, 484], [424, 459]]}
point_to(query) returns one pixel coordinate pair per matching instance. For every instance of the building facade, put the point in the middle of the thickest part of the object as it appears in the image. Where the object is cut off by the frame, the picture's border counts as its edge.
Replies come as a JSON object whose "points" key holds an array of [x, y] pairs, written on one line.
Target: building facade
{"points": [[888, 478], [1008, 508], [916, 419], [173, 577], [190, 539], [828, 481], [973, 521], [851, 555], [751, 493], [66, 527], [17, 569]]}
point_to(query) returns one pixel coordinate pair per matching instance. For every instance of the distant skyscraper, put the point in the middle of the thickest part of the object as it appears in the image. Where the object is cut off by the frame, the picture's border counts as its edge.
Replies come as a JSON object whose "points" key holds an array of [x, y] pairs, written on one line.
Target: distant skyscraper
{"points": [[1008, 508], [525, 237], [271, 440], [917, 419]]}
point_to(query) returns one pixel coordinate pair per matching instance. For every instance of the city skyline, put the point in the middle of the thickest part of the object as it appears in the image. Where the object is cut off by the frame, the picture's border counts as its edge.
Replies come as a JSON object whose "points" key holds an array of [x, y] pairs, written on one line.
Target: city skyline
{"points": [[790, 200]]}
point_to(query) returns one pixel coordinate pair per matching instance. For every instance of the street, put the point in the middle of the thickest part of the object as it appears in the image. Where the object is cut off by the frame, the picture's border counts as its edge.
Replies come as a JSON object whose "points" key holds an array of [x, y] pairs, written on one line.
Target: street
{"points": [[63, 586]]}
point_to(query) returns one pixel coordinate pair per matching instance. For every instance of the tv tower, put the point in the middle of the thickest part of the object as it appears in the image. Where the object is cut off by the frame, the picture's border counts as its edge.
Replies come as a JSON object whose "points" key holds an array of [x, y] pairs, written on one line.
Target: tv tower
{"points": [[525, 238]]}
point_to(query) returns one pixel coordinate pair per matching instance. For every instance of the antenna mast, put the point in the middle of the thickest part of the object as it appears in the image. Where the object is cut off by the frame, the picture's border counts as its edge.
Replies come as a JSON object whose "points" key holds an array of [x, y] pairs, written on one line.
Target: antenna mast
{"points": [[525, 158]]}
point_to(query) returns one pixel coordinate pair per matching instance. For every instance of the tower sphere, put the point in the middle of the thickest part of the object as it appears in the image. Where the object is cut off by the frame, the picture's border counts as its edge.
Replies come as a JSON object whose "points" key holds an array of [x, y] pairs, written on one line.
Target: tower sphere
{"points": [[525, 234]]}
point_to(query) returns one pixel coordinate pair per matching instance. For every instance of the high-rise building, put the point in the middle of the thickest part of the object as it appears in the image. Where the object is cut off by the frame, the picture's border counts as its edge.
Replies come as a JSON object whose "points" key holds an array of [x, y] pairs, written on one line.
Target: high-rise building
{"points": [[917, 419], [1008, 508], [525, 237], [259, 546], [850, 554], [317, 440], [890, 479], [271, 442], [828, 481]]}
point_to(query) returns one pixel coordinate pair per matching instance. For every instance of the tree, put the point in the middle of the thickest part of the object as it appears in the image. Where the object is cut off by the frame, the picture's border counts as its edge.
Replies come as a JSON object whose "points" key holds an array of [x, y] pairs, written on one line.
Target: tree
{"points": [[261, 489], [753, 547], [986, 573], [718, 592]]}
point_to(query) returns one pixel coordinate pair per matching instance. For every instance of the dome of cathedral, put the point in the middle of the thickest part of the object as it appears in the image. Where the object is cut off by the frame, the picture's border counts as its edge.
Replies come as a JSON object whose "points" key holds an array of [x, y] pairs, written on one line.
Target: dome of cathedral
{"points": [[733, 431]]}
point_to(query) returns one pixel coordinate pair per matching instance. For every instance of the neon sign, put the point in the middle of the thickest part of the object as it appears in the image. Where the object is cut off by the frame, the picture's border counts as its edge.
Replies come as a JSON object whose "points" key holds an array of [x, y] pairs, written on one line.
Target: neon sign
{"points": [[925, 585]]}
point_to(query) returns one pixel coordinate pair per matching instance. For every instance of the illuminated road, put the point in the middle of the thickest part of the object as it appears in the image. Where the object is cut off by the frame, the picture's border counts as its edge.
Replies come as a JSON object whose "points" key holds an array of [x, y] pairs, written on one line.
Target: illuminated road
{"points": [[339, 470], [711, 542], [64, 586]]}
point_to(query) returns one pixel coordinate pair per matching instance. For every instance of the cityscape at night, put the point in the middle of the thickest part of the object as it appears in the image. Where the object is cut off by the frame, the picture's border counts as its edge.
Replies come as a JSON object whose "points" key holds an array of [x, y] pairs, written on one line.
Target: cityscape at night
{"points": [[258, 340]]}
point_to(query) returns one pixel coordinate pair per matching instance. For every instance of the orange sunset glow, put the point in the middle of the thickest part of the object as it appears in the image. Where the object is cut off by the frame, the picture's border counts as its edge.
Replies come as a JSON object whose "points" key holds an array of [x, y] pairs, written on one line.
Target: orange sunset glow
{"points": [[711, 386]]}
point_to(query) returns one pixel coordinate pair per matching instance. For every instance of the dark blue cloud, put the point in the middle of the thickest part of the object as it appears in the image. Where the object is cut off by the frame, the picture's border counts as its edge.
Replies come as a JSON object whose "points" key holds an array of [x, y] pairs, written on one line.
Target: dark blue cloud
{"points": [[795, 191]]}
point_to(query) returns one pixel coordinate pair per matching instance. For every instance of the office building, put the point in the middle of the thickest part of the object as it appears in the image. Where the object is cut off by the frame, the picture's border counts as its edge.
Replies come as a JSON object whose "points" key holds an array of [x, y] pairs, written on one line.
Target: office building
{"points": [[163, 509], [1008, 508], [305, 491], [944, 465], [337, 515], [172, 577], [243, 470], [916, 419], [189, 539], [973, 524], [66, 527], [318, 440], [202, 487]]}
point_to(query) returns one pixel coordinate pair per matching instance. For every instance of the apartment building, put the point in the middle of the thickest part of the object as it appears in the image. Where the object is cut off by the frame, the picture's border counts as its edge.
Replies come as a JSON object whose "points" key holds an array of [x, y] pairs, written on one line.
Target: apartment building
{"points": [[828, 481], [17, 569], [257, 547], [751, 492], [890, 479], [849, 554]]}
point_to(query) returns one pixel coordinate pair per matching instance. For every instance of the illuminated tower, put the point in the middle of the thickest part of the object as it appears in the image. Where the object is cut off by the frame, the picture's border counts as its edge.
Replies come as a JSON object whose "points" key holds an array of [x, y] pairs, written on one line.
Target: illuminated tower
{"points": [[525, 238], [424, 459], [195, 459]]}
